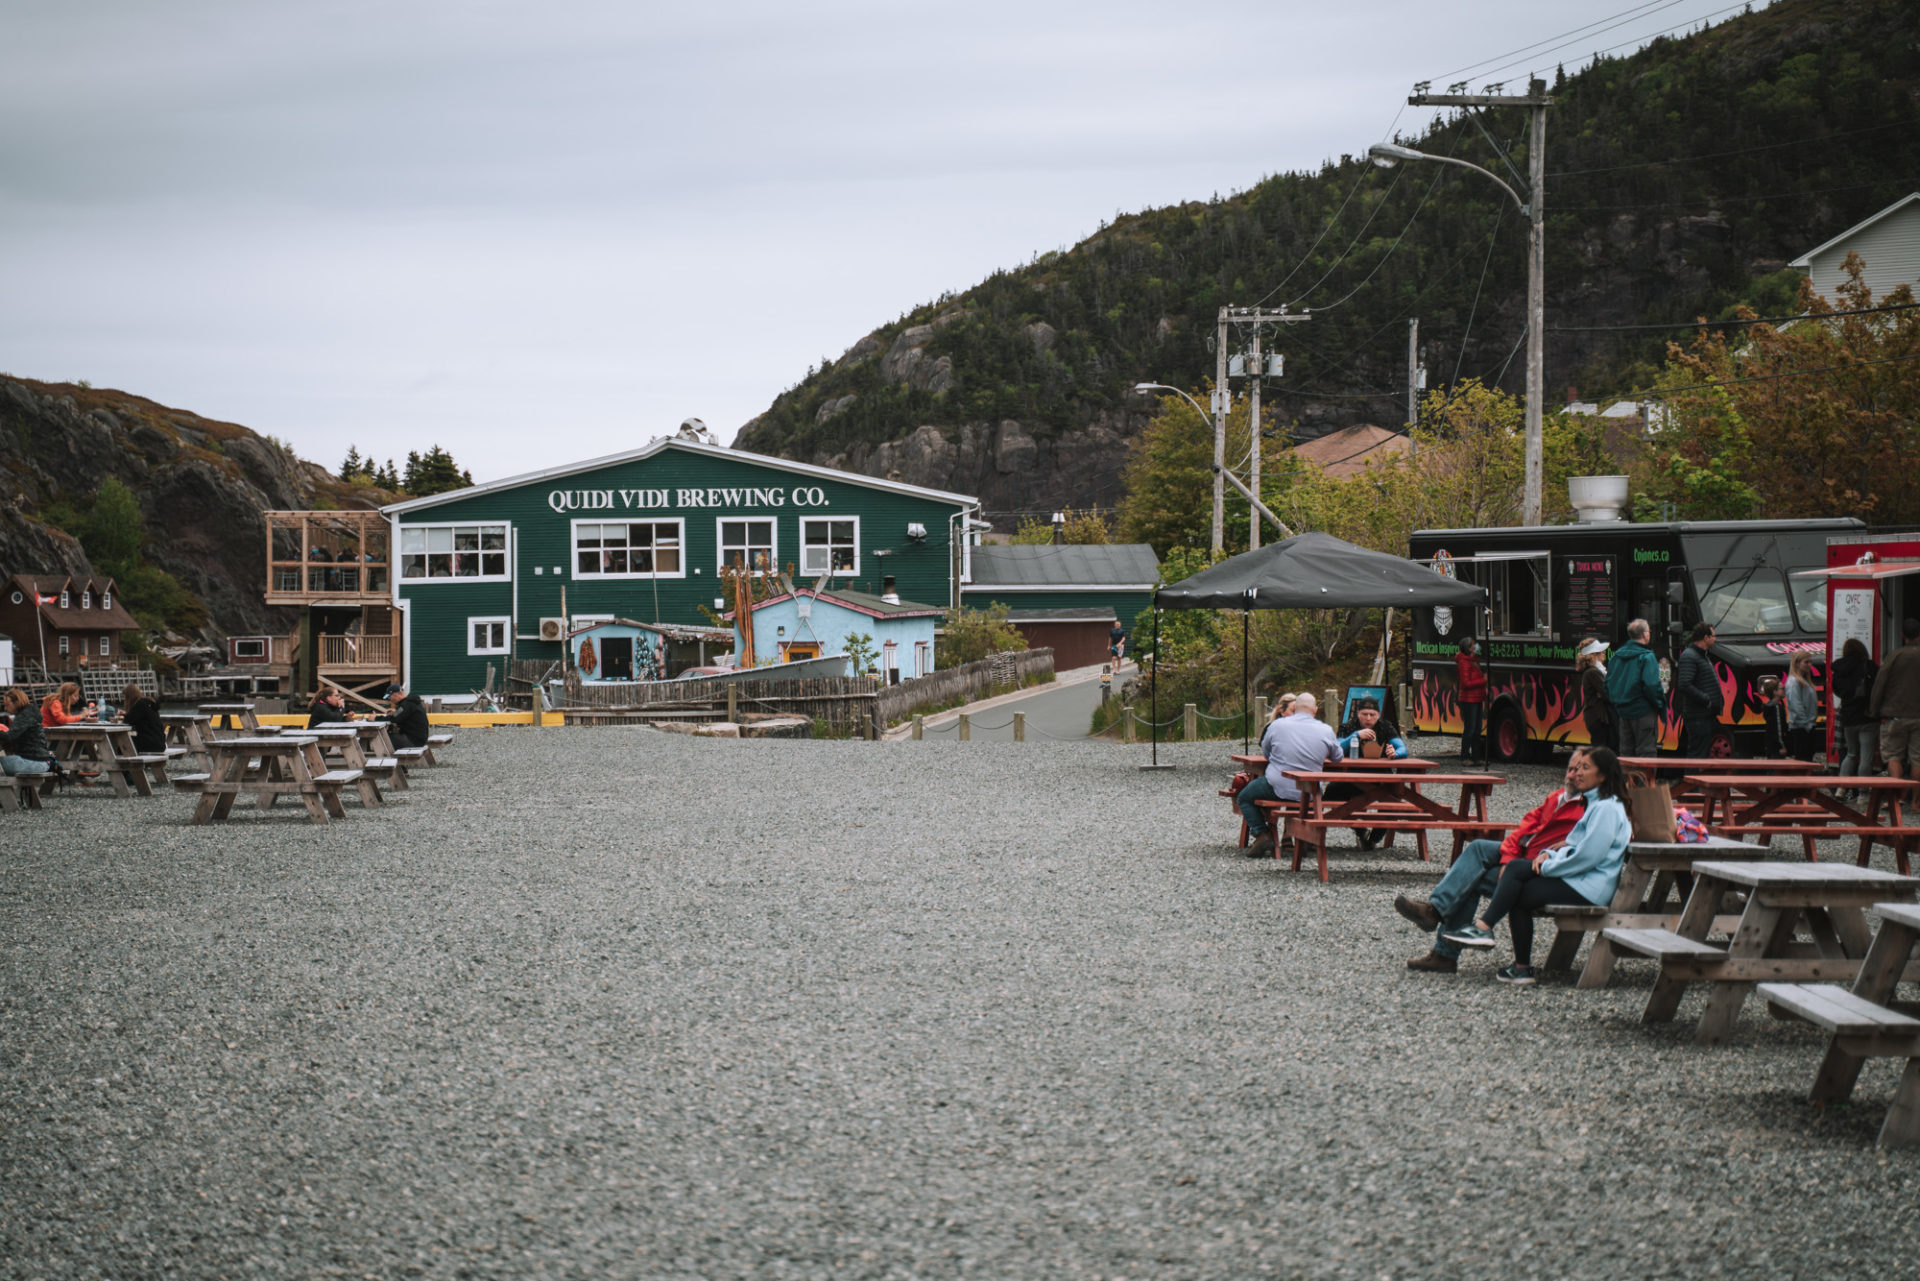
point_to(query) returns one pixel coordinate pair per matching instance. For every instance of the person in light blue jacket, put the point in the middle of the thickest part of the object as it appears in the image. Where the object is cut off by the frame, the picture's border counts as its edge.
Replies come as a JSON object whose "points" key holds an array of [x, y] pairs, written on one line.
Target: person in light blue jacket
{"points": [[1585, 870]]}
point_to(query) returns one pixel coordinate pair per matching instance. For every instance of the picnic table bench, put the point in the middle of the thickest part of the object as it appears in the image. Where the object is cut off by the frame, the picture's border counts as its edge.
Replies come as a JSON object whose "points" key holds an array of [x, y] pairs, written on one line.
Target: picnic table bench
{"points": [[1641, 770], [1767, 805], [268, 768], [109, 748], [1651, 894], [1865, 1023], [1360, 764], [189, 732], [232, 717], [23, 791], [1828, 898], [1391, 802]]}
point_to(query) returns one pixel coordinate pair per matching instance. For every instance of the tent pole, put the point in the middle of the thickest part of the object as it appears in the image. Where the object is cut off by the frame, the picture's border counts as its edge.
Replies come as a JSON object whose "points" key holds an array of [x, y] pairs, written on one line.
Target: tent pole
{"points": [[1154, 711]]}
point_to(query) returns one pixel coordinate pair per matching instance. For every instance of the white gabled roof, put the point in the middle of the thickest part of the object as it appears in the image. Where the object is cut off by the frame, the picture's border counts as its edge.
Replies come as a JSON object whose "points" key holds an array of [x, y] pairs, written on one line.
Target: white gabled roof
{"points": [[1806, 259], [669, 442]]}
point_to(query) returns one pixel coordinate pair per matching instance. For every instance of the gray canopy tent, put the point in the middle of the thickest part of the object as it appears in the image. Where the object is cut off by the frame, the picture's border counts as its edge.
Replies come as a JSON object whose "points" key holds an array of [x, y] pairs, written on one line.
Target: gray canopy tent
{"points": [[1308, 571]]}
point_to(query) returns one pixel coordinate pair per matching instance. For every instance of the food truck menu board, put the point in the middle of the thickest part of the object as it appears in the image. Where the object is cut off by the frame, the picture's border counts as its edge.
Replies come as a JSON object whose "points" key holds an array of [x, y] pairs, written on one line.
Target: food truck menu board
{"points": [[1590, 597]]}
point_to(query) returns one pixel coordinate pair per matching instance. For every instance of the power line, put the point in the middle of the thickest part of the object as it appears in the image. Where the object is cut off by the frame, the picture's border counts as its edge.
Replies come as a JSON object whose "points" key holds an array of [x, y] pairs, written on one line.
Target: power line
{"points": [[1637, 40], [1656, 393], [1728, 200], [1500, 213], [1331, 222], [1335, 266], [1439, 173], [1717, 324], [1739, 151], [1473, 68]]}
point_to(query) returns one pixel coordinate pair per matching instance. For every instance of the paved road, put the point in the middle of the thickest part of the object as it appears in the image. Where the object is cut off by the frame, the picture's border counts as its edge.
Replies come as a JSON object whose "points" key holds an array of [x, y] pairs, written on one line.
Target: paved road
{"points": [[1055, 712]]}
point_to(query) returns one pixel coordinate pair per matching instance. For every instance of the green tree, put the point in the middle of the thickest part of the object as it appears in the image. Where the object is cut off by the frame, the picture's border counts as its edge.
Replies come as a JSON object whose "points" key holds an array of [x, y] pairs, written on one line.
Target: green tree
{"points": [[861, 652], [354, 465], [1082, 527], [972, 634], [112, 532], [433, 472]]}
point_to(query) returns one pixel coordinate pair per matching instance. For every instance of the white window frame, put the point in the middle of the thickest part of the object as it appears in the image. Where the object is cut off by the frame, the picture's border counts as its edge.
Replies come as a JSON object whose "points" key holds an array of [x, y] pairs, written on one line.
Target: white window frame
{"points": [[503, 622], [922, 658], [720, 542], [106, 600], [106, 646], [66, 602], [86, 599], [66, 646], [573, 548], [806, 570], [399, 570]]}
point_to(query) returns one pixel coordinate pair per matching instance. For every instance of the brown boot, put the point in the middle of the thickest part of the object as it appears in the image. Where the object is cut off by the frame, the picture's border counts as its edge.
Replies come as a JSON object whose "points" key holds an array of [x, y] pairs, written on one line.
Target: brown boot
{"points": [[1262, 847], [1434, 963], [1417, 910]]}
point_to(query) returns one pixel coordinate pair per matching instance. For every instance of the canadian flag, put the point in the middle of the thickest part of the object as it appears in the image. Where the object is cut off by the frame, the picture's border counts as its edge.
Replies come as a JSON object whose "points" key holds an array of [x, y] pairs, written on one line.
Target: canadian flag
{"points": [[49, 600]]}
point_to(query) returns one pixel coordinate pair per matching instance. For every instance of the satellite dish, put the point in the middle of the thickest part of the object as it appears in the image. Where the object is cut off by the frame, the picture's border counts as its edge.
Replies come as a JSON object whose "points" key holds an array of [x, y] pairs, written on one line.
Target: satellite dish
{"points": [[695, 430]]}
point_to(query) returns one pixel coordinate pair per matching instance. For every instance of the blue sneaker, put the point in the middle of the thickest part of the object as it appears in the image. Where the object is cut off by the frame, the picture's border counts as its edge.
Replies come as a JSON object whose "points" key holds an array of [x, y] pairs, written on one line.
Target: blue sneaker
{"points": [[1470, 936], [1519, 974]]}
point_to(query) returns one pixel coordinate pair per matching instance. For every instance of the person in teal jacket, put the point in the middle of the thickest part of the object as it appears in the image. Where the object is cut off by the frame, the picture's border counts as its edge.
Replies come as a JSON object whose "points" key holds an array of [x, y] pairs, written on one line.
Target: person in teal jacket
{"points": [[1585, 870], [1633, 687]]}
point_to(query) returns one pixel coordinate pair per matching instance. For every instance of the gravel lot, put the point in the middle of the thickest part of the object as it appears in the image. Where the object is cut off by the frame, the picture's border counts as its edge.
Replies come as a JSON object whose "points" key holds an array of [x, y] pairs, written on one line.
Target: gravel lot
{"points": [[617, 1003]]}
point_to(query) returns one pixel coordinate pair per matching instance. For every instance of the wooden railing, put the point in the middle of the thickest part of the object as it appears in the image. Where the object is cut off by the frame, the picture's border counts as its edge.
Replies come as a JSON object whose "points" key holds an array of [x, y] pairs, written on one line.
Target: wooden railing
{"points": [[356, 651]]}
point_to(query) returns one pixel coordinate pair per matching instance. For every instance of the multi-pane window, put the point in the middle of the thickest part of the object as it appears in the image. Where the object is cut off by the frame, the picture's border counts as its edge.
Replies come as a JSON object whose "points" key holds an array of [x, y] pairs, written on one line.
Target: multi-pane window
{"points": [[106, 647], [452, 551], [64, 647], [747, 544], [66, 602], [628, 549], [106, 600], [86, 599], [829, 545], [487, 635]]}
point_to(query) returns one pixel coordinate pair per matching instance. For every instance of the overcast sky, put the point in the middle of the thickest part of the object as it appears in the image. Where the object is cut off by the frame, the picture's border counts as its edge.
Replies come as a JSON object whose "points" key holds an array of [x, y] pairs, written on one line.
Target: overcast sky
{"points": [[540, 232]]}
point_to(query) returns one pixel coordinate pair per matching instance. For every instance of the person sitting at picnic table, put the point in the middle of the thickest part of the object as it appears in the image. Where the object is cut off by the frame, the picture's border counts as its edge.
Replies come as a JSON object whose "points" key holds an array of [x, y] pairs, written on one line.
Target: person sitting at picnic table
{"points": [[65, 706], [1476, 873], [1367, 726], [142, 715], [329, 708], [23, 748], [407, 722], [1299, 740], [1584, 870]]}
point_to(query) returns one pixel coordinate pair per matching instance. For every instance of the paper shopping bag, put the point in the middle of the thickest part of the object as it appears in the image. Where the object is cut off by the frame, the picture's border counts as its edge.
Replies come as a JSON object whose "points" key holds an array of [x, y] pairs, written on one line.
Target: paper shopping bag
{"points": [[1651, 809]]}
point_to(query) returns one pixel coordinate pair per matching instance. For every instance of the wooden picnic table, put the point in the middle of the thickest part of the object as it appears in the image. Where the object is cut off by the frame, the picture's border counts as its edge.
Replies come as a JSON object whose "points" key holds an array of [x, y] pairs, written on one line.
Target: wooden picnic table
{"points": [[1361, 764], [269, 767], [109, 748], [1654, 882], [1828, 898], [1865, 1023], [1770, 805], [1387, 801], [225, 716], [191, 731], [363, 746], [1646, 769]]}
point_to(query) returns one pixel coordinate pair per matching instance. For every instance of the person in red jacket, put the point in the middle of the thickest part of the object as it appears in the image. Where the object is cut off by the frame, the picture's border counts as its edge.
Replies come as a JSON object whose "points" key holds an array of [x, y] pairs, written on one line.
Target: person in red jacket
{"points": [[1472, 693], [1476, 872]]}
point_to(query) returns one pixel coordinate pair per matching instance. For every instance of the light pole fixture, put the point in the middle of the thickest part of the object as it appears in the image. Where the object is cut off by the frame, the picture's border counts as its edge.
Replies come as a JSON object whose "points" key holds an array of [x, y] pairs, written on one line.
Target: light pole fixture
{"points": [[1536, 100], [1219, 421]]}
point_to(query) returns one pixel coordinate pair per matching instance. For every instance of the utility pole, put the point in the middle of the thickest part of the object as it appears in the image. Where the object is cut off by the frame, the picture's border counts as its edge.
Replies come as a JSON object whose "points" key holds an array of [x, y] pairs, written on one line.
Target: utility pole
{"points": [[1413, 373], [1222, 399], [1536, 101], [1255, 369]]}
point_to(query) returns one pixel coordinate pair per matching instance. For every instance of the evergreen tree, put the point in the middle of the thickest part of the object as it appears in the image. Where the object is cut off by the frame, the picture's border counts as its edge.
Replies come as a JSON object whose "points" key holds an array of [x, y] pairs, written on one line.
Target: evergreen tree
{"points": [[434, 472], [112, 532], [354, 465]]}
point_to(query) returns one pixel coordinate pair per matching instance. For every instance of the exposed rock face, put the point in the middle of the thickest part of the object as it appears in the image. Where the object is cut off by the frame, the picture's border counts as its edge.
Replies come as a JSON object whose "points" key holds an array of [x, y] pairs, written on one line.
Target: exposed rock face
{"points": [[1011, 469], [1041, 335], [201, 485], [832, 409], [907, 361]]}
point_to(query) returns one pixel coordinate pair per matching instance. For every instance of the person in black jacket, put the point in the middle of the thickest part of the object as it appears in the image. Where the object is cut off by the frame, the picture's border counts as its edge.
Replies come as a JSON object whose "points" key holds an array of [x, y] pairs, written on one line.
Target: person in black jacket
{"points": [[407, 722], [23, 748], [1851, 680], [142, 715], [329, 707], [1696, 688]]}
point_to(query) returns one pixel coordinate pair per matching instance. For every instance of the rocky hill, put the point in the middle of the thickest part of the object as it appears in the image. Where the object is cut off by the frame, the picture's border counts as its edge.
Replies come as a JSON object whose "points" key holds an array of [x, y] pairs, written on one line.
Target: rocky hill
{"points": [[201, 486], [1681, 180]]}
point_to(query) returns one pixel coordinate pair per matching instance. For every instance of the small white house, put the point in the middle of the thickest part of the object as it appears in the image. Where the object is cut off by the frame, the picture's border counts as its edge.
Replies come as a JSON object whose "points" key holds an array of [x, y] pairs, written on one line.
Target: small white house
{"points": [[1889, 247], [812, 624]]}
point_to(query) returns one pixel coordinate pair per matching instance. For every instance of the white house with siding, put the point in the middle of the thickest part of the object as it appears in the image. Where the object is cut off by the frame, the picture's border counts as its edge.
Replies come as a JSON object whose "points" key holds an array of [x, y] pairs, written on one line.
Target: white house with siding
{"points": [[1889, 247]]}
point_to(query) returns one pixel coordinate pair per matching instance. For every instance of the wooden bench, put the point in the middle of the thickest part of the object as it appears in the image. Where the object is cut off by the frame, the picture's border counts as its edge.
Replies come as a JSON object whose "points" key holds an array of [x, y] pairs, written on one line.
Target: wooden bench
{"points": [[23, 791], [1574, 921], [433, 741], [409, 755], [1278, 812], [1661, 944], [155, 765], [1864, 1023], [190, 782], [1307, 831], [333, 780]]}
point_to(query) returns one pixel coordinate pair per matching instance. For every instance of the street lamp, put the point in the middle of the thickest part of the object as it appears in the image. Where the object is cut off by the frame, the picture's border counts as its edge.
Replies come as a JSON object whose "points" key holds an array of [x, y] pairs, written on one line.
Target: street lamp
{"points": [[1219, 421], [1387, 155]]}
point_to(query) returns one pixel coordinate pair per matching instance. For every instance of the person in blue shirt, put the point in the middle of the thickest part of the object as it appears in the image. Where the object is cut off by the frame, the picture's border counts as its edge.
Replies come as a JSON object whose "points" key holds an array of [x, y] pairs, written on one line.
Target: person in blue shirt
{"points": [[1297, 741], [1367, 727], [1585, 870]]}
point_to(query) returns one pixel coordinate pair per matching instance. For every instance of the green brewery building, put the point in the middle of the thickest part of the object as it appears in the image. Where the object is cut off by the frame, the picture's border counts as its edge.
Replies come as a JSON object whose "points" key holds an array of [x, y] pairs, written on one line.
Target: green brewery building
{"points": [[478, 574]]}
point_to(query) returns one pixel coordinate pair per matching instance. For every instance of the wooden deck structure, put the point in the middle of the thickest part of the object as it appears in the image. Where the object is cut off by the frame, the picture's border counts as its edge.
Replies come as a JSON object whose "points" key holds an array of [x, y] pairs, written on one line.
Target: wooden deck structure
{"points": [[336, 567]]}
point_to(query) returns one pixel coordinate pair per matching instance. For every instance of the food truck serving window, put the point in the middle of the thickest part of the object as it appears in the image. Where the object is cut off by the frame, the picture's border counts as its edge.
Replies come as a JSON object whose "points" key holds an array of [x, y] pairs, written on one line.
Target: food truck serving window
{"points": [[1810, 602], [1743, 599], [1519, 601]]}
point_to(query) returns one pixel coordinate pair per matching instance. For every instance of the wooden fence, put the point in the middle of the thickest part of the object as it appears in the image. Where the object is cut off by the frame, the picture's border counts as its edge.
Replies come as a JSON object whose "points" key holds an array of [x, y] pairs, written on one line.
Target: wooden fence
{"points": [[840, 700]]}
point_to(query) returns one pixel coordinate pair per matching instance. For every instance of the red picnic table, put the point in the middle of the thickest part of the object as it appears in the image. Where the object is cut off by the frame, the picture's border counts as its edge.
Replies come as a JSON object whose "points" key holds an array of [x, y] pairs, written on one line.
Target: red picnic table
{"points": [[1385, 801], [1361, 764], [1643, 769], [1769, 805]]}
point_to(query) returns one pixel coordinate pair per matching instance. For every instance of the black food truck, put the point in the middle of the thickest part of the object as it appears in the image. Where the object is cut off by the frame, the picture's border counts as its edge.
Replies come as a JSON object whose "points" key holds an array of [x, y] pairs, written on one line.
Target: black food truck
{"points": [[1550, 585]]}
